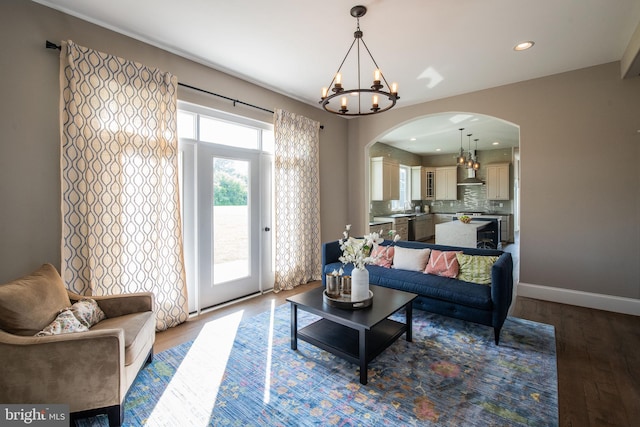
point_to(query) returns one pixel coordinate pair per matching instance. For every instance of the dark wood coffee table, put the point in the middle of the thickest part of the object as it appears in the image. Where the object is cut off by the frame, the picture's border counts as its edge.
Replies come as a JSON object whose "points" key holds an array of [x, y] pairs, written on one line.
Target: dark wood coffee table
{"points": [[355, 335]]}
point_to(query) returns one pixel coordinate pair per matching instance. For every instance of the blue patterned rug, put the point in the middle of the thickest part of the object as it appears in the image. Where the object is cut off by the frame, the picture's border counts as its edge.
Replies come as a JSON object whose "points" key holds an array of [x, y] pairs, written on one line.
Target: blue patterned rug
{"points": [[244, 373]]}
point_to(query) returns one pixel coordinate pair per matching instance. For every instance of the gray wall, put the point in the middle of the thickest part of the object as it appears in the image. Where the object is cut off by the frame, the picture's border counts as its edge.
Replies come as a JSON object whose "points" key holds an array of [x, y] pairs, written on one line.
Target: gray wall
{"points": [[30, 229], [580, 187]]}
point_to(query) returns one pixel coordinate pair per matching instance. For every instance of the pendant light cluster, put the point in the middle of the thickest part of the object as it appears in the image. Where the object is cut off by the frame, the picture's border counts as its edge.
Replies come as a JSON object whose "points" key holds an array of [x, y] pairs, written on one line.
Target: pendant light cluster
{"points": [[382, 98], [470, 161]]}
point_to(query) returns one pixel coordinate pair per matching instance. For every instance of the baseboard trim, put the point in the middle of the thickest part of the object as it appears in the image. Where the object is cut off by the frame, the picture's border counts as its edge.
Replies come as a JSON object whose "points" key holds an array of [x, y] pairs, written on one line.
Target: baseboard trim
{"points": [[583, 299]]}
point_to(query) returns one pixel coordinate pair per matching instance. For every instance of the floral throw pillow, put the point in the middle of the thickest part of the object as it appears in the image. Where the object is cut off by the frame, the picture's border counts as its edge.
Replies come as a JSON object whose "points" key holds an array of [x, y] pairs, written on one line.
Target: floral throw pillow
{"points": [[78, 318], [64, 323], [383, 256], [443, 263], [87, 312]]}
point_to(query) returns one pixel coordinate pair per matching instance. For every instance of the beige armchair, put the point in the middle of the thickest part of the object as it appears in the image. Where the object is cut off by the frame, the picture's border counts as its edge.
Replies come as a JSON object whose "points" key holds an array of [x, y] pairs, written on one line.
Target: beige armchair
{"points": [[90, 371]]}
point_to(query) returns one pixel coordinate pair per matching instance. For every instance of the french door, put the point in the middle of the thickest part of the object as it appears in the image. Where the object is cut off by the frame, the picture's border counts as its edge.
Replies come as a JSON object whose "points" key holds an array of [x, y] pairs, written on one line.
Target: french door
{"points": [[228, 224], [226, 196]]}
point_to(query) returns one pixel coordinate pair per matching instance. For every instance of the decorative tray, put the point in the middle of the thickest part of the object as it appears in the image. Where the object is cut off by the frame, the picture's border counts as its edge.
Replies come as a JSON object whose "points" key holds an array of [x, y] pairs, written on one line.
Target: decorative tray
{"points": [[345, 302]]}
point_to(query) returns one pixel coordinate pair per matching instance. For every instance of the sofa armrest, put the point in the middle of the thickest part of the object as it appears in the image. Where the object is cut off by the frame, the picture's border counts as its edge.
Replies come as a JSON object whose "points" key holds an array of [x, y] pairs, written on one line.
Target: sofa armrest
{"points": [[330, 253], [119, 305], [50, 369], [502, 285]]}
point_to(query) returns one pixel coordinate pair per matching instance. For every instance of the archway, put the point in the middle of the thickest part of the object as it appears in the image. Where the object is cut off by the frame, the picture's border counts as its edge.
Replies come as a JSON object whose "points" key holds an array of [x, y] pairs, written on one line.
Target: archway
{"points": [[435, 140]]}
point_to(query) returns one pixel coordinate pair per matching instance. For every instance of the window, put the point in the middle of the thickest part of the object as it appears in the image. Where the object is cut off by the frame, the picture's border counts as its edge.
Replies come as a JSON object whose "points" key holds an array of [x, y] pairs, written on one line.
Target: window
{"points": [[205, 125], [404, 202]]}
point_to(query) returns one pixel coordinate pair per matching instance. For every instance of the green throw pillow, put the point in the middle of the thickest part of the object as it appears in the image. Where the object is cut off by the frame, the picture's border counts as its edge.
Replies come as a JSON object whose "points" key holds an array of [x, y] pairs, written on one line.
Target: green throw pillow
{"points": [[475, 268]]}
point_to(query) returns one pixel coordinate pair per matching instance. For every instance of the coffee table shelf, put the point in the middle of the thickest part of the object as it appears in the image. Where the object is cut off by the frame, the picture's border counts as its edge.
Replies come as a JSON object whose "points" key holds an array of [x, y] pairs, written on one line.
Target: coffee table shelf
{"points": [[354, 335], [343, 341]]}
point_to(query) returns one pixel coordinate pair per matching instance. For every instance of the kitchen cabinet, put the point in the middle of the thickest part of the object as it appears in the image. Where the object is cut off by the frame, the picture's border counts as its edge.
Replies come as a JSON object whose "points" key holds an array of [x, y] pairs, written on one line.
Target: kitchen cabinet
{"points": [[418, 183], [506, 229], [447, 183], [440, 218], [498, 181], [402, 227], [385, 179], [382, 228], [400, 224], [424, 227], [430, 184]]}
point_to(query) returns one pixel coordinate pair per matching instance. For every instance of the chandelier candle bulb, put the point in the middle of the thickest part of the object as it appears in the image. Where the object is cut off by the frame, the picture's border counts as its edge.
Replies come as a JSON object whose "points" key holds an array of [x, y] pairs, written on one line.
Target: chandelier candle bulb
{"points": [[375, 101], [325, 92], [394, 88], [376, 75]]}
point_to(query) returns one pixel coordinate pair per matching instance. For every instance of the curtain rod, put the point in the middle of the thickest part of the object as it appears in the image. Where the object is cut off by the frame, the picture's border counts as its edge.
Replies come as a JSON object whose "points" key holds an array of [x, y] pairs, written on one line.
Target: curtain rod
{"points": [[50, 45]]}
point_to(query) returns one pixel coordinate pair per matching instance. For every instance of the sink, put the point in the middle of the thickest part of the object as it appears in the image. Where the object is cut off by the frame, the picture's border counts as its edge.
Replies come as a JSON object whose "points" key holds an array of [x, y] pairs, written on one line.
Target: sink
{"points": [[401, 215]]}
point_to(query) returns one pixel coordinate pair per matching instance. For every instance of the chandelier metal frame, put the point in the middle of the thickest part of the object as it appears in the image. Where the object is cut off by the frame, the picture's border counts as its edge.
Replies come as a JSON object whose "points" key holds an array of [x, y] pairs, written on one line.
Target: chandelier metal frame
{"points": [[376, 88]]}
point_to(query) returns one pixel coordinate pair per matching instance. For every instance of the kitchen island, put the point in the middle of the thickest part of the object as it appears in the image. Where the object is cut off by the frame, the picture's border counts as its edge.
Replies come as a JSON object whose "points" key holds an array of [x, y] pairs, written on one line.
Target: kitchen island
{"points": [[457, 233]]}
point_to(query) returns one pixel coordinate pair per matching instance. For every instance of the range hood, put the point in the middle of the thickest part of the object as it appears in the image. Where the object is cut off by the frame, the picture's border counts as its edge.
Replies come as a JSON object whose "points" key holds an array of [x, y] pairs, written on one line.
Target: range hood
{"points": [[471, 179]]}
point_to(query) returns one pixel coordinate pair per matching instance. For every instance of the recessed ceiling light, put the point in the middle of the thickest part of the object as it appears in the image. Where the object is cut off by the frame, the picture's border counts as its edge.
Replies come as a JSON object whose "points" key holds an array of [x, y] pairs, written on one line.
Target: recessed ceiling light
{"points": [[523, 46], [438, 149], [495, 143], [412, 139]]}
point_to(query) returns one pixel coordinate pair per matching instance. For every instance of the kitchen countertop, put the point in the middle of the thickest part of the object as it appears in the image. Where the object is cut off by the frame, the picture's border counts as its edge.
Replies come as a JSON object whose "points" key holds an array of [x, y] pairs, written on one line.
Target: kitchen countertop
{"points": [[457, 233], [376, 223]]}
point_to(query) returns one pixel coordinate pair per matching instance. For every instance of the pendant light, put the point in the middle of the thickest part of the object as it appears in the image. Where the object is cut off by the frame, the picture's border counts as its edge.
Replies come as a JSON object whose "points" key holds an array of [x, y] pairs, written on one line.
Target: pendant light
{"points": [[470, 159], [476, 163], [460, 160]]}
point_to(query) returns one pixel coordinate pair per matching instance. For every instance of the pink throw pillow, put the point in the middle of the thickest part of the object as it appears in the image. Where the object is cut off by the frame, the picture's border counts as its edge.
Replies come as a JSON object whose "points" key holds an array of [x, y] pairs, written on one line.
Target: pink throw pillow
{"points": [[443, 263], [383, 256]]}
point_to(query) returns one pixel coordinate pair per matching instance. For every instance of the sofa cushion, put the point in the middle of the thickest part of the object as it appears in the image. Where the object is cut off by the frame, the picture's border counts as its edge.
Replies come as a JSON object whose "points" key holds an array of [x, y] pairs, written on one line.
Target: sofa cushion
{"points": [[383, 256], [429, 285], [410, 259], [30, 303], [443, 263], [476, 268], [138, 329]]}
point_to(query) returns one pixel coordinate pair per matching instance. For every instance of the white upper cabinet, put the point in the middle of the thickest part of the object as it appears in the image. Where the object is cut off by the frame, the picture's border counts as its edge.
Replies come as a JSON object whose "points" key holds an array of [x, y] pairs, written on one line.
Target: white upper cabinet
{"points": [[385, 179], [498, 181], [447, 183]]}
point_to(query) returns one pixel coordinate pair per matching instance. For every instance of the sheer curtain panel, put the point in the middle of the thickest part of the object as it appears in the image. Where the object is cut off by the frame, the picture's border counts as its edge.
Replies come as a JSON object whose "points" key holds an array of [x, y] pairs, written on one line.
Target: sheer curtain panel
{"points": [[121, 226], [297, 200]]}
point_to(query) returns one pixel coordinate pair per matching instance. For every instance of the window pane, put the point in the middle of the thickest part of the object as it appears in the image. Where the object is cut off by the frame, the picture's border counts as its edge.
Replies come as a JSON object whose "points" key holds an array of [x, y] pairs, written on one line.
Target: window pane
{"points": [[219, 132], [186, 125], [231, 223], [268, 141]]}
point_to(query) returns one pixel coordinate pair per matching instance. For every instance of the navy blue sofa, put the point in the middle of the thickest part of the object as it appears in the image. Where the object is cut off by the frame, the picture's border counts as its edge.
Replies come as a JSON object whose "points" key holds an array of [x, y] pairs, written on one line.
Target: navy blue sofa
{"points": [[483, 304]]}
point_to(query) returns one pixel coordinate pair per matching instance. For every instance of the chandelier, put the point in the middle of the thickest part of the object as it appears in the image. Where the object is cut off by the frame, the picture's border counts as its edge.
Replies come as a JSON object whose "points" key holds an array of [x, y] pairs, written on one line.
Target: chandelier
{"points": [[381, 99]]}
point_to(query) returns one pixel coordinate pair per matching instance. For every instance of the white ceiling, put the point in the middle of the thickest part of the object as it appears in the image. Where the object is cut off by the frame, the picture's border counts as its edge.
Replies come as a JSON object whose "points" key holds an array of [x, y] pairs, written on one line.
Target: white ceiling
{"points": [[294, 47]]}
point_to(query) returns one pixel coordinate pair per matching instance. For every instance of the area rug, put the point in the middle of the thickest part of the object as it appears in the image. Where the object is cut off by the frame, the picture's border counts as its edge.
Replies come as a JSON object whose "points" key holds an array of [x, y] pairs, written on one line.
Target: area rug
{"points": [[244, 373]]}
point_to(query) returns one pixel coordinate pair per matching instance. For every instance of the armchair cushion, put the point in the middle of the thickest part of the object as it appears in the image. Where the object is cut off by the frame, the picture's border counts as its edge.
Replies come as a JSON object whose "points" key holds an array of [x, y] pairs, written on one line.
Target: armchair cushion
{"points": [[30, 303]]}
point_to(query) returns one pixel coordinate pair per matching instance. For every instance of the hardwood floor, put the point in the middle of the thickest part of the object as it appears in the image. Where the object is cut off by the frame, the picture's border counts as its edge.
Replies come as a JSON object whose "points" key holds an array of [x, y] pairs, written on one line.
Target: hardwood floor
{"points": [[598, 362], [598, 355]]}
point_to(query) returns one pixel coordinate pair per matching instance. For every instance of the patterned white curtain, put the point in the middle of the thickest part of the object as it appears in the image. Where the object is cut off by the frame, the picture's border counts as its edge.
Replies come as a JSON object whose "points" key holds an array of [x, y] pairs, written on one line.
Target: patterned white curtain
{"points": [[297, 192], [121, 226]]}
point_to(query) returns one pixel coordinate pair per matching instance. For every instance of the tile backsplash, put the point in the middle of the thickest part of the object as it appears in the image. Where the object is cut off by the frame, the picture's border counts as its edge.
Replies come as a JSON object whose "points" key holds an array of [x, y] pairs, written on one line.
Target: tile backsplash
{"points": [[471, 198]]}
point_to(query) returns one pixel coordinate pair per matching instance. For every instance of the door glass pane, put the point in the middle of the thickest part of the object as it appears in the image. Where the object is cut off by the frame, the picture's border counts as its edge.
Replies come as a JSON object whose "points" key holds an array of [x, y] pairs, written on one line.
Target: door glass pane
{"points": [[225, 133], [231, 256]]}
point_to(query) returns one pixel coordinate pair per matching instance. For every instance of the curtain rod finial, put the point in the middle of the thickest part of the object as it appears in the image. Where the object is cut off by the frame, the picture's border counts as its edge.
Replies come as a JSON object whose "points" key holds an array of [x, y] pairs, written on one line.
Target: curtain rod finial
{"points": [[50, 45]]}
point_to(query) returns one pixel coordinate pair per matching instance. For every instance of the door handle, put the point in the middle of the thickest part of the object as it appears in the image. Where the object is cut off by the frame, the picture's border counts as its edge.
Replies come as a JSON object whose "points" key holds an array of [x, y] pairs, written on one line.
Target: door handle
{"points": [[267, 229]]}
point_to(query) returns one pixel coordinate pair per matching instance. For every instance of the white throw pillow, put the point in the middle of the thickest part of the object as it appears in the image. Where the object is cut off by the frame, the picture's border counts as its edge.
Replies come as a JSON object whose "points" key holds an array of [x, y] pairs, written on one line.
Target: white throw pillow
{"points": [[411, 259]]}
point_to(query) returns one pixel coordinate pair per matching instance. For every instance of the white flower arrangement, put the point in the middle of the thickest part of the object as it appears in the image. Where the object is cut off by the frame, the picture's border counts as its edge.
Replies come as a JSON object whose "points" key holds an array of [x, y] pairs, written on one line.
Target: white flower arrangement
{"points": [[358, 251]]}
